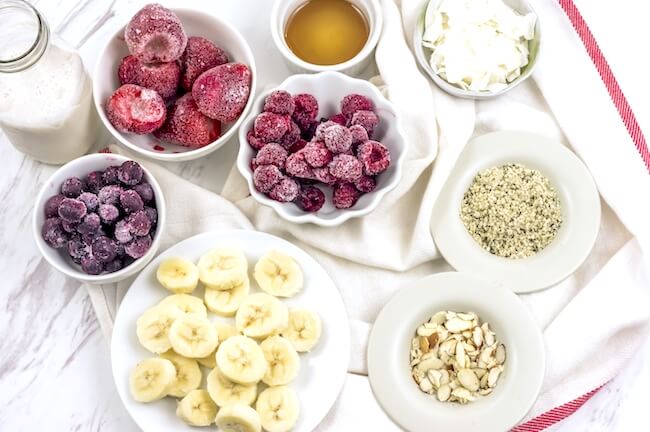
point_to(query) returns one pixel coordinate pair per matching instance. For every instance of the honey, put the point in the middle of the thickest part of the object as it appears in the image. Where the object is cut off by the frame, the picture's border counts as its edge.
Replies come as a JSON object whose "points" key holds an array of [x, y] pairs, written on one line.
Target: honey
{"points": [[326, 32]]}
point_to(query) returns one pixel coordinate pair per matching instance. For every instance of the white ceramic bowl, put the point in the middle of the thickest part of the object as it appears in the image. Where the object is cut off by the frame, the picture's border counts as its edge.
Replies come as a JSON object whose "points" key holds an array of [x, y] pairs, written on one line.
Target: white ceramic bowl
{"points": [[195, 22], [329, 88], [81, 167], [390, 341], [282, 10]]}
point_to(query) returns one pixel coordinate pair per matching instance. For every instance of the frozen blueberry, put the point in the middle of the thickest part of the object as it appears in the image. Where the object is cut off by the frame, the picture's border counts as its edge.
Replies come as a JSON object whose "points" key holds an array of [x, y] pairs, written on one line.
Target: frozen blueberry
{"points": [[90, 199], [52, 206], [130, 173], [91, 266], [104, 249], [131, 201], [152, 214], [145, 191], [110, 175], [120, 250], [72, 187], [78, 249], [140, 223], [94, 181], [89, 238], [123, 232], [108, 213], [72, 210], [138, 247], [69, 227], [113, 266], [90, 224], [109, 194], [53, 233], [311, 199]]}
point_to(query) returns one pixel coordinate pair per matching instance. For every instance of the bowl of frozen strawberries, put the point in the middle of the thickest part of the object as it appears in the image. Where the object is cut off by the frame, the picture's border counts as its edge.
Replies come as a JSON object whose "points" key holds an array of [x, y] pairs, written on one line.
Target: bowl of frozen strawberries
{"points": [[322, 148], [174, 84]]}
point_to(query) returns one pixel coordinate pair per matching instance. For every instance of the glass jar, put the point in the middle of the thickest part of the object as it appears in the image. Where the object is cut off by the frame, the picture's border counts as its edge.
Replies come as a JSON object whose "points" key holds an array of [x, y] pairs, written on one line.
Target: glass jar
{"points": [[46, 107]]}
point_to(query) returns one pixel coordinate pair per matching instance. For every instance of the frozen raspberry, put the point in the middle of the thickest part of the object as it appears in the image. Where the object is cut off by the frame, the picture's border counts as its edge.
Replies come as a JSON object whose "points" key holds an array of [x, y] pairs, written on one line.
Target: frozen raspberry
{"points": [[113, 266], [90, 199], [297, 166], [353, 103], [317, 155], [123, 232], [311, 199], [272, 154], [72, 210], [292, 135], [140, 223], [131, 201], [367, 119], [345, 196], [130, 173], [109, 194], [72, 187], [340, 119], [285, 191], [152, 214], [365, 184], [161, 77], [337, 138], [53, 233], [136, 109], [374, 156], [308, 134], [89, 225], [78, 249], [319, 134], [270, 127], [187, 126], [298, 145], [155, 34], [200, 55], [222, 92], [110, 175], [94, 181], [359, 134], [324, 175], [52, 206], [145, 191], [254, 141], [108, 213], [280, 102], [265, 177], [346, 168], [91, 266], [138, 247], [306, 110]]}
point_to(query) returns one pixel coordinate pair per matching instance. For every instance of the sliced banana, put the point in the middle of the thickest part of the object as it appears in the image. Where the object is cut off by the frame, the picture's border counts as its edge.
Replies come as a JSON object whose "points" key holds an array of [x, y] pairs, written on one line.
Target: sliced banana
{"points": [[193, 336], [225, 330], [208, 361], [261, 315], [188, 374], [178, 275], [238, 418], [278, 274], [226, 392], [223, 268], [282, 359], [152, 328], [186, 304], [226, 302], [278, 408], [304, 329], [197, 408], [151, 379], [241, 360]]}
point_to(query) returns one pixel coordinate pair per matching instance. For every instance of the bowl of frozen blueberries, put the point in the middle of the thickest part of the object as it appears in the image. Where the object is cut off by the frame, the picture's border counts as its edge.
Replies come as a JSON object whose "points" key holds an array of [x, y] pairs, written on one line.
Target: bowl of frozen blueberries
{"points": [[99, 218]]}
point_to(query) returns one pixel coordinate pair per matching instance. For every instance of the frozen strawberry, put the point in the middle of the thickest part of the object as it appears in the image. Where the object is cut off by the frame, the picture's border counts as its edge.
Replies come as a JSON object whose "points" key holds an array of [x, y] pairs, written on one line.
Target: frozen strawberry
{"points": [[279, 102], [297, 166], [265, 177], [270, 127], [292, 135], [272, 154], [346, 168], [306, 110], [161, 77], [337, 138], [155, 34], [365, 184], [136, 109], [317, 155], [222, 92], [353, 103], [187, 126], [311, 199], [345, 196], [359, 134], [254, 141], [367, 119], [374, 156], [285, 191], [199, 56], [340, 119]]}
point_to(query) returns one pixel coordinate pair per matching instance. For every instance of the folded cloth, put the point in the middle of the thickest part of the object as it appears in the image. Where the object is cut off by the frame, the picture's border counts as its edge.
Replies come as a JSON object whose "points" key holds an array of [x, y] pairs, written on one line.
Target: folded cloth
{"points": [[592, 321]]}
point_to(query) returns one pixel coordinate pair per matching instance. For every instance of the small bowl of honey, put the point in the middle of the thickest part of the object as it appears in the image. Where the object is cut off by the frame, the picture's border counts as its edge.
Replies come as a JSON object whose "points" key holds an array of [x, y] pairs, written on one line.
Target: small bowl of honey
{"points": [[326, 35]]}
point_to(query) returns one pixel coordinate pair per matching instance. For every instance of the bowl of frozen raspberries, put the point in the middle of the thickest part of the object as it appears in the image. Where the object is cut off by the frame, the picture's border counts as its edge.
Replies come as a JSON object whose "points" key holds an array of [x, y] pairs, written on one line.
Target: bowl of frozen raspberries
{"points": [[99, 218], [174, 84], [321, 148]]}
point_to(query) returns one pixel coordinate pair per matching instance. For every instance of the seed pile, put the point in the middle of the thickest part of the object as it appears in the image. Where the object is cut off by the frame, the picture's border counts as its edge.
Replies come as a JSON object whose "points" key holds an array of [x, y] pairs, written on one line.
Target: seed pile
{"points": [[512, 211]]}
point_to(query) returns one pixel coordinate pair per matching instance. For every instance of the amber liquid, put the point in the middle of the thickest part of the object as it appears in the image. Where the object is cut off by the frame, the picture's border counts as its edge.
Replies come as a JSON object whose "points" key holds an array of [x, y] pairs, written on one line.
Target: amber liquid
{"points": [[326, 32]]}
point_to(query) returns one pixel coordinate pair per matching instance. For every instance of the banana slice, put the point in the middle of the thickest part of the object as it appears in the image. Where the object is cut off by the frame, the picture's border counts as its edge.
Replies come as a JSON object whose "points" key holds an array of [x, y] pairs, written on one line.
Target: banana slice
{"points": [[226, 302], [223, 268], [241, 360], [225, 330], [188, 374], [186, 304], [261, 315], [304, 329], [238, 418], [225, 392], [197, 408], [282, 359], [152, 328], [278, 408], [278, 274], [151, 379], [178, 275], [208, 361], [192, 336]]}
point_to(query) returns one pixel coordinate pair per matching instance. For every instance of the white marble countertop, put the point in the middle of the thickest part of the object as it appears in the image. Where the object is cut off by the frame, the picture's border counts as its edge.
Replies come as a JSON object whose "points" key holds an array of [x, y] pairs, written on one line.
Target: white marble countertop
{"points": [[55, 369]]}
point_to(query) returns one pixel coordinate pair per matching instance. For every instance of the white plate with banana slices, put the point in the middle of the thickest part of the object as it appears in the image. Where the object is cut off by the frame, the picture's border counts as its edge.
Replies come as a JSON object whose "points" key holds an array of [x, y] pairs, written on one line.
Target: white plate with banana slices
{"points": [[302, 373]]}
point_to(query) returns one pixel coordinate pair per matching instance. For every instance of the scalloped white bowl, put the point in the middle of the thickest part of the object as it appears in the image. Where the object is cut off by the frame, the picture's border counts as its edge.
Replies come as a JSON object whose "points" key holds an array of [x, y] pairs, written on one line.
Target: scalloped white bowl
{"points": [[329, 88]]}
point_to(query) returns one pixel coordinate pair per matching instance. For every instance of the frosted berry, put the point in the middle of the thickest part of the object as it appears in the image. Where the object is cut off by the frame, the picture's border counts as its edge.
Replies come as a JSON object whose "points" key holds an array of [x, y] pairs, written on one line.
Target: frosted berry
{"points": [[78, 249], [123, 232], [306, 110], [104, 249], [109, 194], [91, 266], [280, 102], [200, 55], [136, 109], [354, 102], [337, 138], [311, 199], [152, 213], [160, 77], [297, 166], [317, 155], [346, 168], [138, 247], [324, 175], [285, 191], [130, 201], [72, 210], [155, 34], [319, 134], [94, 181], [72, 187], [69, 227], [345, 196], [265, 177], [222, 92], [90, 224], [53, 233], [113, 266], [108, 213], [292, 136], [270, 127], [140, 223], [365, 184], [130, 173], [52, 206], [374, 156], [272, 154], [110, 175], [145, 191], [298, 145], [309, 132], [254, 141], [187, 126], [340, 119], [359, 134], [90, 199], [367, 119]]}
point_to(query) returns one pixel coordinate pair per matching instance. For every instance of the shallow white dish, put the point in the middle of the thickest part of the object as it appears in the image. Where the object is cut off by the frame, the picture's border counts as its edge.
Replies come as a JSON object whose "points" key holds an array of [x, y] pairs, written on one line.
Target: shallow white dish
{"points": [[196, 23], [322, 371], [329, 88], [389, 346], [578, 197]]}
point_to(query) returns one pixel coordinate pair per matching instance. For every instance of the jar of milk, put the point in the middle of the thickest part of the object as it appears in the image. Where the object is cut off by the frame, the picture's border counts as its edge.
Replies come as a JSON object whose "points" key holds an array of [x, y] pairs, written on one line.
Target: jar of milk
{"points": [[46, 107]]}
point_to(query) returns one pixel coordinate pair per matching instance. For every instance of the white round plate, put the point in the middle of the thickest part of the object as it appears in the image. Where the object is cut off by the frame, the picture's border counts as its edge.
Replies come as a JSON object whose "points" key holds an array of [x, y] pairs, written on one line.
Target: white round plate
{"points": [[322, 371], [390, 344], [578, 197]]}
